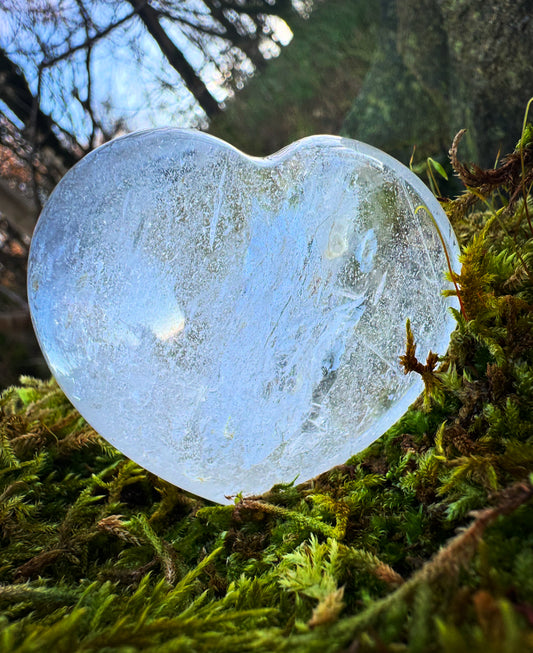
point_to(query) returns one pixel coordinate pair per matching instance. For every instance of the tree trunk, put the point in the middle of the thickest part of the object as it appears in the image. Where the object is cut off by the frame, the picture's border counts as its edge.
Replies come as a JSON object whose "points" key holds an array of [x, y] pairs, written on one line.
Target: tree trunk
{"points": [[174, 56]]}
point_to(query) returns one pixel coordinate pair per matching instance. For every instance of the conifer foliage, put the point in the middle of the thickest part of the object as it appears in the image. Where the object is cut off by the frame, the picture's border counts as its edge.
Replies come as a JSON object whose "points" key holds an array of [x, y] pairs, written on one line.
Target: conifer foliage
{"points": [[423, 542]]}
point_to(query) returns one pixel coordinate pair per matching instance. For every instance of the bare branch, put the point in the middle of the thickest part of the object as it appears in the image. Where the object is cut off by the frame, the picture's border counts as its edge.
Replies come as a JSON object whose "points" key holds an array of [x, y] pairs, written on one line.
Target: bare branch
{"points": [[174, 56], [16, 93], [89, 41]]}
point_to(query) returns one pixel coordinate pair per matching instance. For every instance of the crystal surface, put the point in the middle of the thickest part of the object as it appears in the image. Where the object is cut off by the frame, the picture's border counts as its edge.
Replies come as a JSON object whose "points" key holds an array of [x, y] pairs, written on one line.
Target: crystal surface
{"points": [[231, 322]]}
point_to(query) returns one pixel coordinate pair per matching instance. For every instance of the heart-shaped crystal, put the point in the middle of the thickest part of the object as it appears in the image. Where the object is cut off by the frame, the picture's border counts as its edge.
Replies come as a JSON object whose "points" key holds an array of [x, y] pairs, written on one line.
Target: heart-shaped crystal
{"points": [[231, 322]]}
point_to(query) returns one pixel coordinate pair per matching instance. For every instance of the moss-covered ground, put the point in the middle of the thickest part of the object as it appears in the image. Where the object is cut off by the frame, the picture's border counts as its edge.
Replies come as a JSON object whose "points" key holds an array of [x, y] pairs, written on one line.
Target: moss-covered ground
{"points": [[423, 542]]}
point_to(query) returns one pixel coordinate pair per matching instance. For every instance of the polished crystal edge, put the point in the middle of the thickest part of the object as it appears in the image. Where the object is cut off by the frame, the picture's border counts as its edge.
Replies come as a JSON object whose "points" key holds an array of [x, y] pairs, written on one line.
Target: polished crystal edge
{"points": [[155, 459]]}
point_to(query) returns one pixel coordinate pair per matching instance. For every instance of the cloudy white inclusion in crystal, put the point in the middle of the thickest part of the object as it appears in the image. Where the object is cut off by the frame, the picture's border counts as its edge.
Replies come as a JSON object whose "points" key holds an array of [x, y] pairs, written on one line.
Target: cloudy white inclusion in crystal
{"points": [[230, 322]]}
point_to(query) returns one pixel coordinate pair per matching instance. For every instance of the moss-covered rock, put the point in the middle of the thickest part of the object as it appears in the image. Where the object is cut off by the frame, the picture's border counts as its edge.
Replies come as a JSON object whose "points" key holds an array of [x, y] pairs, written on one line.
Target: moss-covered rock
{"points": [[445, 65], [400, 105]]}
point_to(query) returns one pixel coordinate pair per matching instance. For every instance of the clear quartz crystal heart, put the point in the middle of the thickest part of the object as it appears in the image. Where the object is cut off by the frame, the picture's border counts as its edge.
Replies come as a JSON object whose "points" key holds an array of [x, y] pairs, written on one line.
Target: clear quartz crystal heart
{"points": [[231, 322]]}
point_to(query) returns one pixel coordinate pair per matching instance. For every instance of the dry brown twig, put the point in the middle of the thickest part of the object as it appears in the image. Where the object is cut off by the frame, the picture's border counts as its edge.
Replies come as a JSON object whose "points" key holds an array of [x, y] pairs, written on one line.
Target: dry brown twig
{"points": [[509, 174]]}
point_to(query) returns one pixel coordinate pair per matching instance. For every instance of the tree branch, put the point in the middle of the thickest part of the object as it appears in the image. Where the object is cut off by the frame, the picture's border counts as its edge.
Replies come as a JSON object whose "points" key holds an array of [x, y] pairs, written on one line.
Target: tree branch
{"points": [[16, 93], [89, 41], [174, 56], [249, 46]]}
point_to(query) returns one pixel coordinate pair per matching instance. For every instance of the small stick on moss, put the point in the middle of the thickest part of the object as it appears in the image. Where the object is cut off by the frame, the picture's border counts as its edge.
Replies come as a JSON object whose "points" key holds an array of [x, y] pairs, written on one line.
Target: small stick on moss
{"points": [[261, 507]]}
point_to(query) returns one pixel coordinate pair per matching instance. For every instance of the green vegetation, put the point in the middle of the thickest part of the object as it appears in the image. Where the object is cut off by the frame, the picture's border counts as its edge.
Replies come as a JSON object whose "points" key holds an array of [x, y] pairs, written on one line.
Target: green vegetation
{"points": [[310, 88], [423, 542]]}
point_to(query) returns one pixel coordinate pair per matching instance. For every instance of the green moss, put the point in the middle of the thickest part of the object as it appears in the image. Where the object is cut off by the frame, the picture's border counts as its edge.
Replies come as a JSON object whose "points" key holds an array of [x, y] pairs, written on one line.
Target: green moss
{"points": [[380, 554]]}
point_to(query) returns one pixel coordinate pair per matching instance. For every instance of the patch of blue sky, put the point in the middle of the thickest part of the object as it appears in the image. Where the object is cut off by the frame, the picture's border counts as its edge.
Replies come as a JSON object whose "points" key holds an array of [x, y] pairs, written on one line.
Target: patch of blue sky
{"points": [[132, 83]]}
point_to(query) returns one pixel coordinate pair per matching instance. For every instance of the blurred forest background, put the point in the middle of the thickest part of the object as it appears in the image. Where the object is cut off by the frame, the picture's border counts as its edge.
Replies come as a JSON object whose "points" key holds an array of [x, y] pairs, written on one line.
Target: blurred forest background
{"points": [[259, 73]]}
